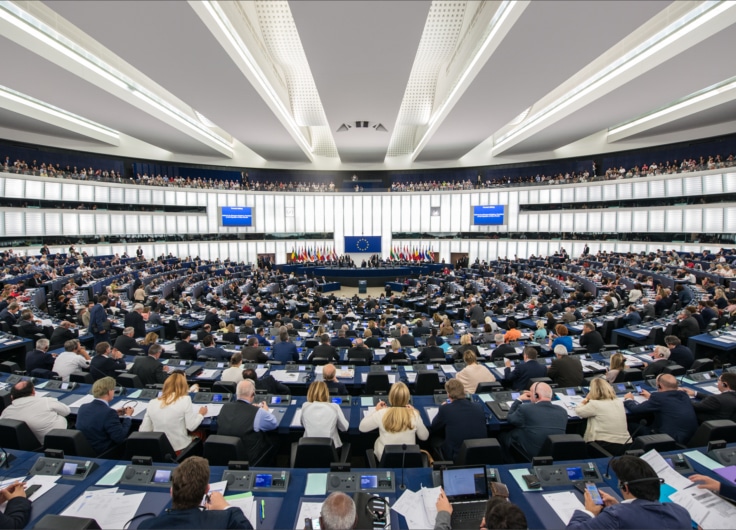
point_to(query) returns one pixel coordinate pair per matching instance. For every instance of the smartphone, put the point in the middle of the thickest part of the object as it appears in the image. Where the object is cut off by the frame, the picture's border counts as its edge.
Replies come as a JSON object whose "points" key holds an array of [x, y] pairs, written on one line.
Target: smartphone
{"points": [[30, 490], [594, 493], [638, 389], [532, 481], [311, 523]]}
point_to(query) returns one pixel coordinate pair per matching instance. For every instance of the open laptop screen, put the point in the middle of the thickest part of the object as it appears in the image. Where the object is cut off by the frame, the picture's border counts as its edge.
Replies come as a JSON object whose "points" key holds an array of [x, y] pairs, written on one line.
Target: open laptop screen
{"points": [[465, 483]]}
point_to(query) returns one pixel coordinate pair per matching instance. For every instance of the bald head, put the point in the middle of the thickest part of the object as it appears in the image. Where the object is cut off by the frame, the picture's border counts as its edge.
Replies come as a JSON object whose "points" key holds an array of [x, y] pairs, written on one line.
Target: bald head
{"points": [[667, 382], [328, 372], [541, 392]]}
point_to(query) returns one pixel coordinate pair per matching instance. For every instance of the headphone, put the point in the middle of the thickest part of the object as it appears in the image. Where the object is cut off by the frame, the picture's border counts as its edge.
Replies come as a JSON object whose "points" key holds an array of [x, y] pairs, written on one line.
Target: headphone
{"points": [[533, 391]]}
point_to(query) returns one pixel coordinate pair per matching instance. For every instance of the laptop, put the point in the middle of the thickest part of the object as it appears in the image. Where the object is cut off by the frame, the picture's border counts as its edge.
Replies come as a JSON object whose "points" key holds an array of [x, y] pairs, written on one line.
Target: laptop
{"points": [[466, 488]]}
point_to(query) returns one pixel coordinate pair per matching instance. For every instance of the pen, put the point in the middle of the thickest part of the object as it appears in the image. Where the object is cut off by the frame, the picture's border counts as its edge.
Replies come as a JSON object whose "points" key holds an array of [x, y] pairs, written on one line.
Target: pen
{"points": [[263, 510]]}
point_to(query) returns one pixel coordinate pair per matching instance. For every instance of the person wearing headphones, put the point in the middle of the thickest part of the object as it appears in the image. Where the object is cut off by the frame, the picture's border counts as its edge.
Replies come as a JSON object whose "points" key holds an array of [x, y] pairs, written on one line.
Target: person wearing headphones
{"points": [[716, 406], [534, 417], [640, 509]]}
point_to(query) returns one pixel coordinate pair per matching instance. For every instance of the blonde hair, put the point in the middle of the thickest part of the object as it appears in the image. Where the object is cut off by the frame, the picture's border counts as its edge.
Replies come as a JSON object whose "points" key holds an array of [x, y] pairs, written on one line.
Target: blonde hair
{"points": [[618, 361], [398, 418], [395, 345], [466, 339], [469, 357], [230, 328], [175, 387], [540, 324], [600, 389], [151, 338], [318, 391]]}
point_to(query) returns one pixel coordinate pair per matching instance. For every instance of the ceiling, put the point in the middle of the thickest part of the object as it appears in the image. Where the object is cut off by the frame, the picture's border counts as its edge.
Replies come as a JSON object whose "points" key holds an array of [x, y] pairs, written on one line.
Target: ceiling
{"points": [[371, 85]]}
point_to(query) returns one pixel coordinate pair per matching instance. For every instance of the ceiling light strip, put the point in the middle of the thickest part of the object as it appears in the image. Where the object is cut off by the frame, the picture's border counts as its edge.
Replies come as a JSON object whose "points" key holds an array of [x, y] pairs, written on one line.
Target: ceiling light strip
{"points": [[695, 18], [45, 33]]}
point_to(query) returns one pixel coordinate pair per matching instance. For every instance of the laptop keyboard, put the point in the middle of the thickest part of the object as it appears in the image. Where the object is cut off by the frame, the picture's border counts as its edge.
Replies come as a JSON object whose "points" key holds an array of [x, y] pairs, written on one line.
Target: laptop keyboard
{"points": [[467, 515]]}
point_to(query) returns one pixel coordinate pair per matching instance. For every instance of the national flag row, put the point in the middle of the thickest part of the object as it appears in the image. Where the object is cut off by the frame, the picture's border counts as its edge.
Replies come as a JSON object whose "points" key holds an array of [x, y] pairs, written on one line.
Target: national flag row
{"points": [[411, 253], [312, 254]]}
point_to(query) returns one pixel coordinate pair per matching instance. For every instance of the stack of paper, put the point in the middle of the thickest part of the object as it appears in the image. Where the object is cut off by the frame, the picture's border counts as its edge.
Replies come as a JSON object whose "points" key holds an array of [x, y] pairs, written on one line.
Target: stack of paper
{"points": [[87, 398], [207, 374], [247, 503], [564, 504], [106, 506], [282, 376], [418, 507], [213, 409]]}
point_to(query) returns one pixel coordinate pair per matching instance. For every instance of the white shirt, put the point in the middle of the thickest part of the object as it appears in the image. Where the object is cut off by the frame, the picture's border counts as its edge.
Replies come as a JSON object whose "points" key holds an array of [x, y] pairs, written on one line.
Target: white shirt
{"points": [[606, 421], [233, 374], [41, 414], [174, 420], [68, 362], [374, 420], [322, 420]]}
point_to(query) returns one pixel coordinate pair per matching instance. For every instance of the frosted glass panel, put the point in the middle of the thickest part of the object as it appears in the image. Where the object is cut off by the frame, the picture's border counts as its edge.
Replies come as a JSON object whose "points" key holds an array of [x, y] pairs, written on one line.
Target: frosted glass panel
{"points": [[533, 197], [52, 191], [131, 224], [53, 223], [656, 189], [87, 224], [555, 195], [554, 222], [641, 190], [34, 189], [693, 185], [624, 221], [581, 194], [693, 220], [14, 223], [674, 221], [567, 222], [102, 194], [609, 192], [568, 195], [640, 221], [117, 223], [595, 193], [624, 190], [533, 222], [71, 224], [144, 196], [14, 188], [117, 195], [102, 223], [712, 184], [69, 192], [581, 221], [158, 197], [146, 224], [656, 220], [86, 193], [523, 223], [34, 223], [674, 187], [729, 223], [131, 196], [713, 220], [594, 221]]}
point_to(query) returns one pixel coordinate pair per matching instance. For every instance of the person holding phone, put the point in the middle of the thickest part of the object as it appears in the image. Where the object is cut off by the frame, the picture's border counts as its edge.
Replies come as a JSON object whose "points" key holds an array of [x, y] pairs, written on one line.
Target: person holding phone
{"points": [[641, 509]]}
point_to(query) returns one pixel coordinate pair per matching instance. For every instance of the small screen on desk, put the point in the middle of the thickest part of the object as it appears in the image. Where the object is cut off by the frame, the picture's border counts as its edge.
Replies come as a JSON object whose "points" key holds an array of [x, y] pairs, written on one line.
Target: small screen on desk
{"points": [[337, 400], [575, 473], [620, 387], [263, 481], [570, 391], [217, 398], [69, 468], [515, 395], [368, 481], [430, 367], [302, 368], [386, 368], [162, 475], [275, 400], [670, 462], [65, 386], [221, 365]]}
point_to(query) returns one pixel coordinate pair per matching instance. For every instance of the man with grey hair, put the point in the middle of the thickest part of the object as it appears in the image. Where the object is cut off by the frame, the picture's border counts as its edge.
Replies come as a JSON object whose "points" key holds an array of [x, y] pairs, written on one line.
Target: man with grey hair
{"points": [[39, 358], [502, 349], [103, 426], [534, 417], [41, 414], [251, 423], [661, 358], [338, 512], [134, 320], [125, 342], [148, 367], [566, 370], [62, 334], [73, 359]]}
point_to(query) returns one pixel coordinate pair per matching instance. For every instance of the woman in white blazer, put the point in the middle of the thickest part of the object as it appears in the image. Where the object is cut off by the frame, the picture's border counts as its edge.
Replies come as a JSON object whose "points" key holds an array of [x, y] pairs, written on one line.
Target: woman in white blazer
{"points": [[320, 417], [606, 417]]}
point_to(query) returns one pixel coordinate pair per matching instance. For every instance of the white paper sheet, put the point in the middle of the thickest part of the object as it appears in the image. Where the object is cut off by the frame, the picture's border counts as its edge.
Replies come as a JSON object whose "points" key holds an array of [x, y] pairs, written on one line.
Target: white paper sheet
{"points": [[247, 504], [220, 487], [418, 507], [207, 374], [87, 398], [308, 510], [431, 412], [564, 504], [213, 409], [109, 508], [296, 421], [664, 471], [708, 510], [282, 376], [139, 406]]}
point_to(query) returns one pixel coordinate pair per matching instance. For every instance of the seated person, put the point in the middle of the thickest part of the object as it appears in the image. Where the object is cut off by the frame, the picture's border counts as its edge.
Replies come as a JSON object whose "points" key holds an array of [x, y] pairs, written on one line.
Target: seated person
{"points": [[640, 509], [716, 406], [230, 335], [74, 358], [513, 334], [148, 368], [565, 370], [17, 506], [591, 338], [473, 373], [184, 348], [320, 417], [39, 358], [338, 512], [371, 341], [284, 350], [234, 374], [252, 352], [104, 427], [62, 334], [325, 350], [466, 344], [661, 357], [210, 351], [500, 514], [107, 362], [189, 484], [341, 341], [524, 372], [266, 383], [359, 353], [679, 353], [125, 342], [41, 414], [460, 420], [329, 376], [395, 354], [560, 336], [432, 353], [502, 349]]}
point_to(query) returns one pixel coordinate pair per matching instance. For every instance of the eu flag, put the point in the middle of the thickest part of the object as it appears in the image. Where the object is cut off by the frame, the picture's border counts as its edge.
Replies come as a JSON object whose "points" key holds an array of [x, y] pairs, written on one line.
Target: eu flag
{"points": [[370, 244]]}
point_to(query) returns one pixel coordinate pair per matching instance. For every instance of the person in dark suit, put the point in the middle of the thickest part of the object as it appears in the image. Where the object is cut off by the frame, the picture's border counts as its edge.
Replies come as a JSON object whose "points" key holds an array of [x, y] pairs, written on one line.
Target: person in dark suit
{"points": [[202, 332], [661, 356], [253, 353], [102, 426], [394, 354], [148, 368], [266, 383], [189, 484], [325, 350], [62, 334], [251, 423], [502, 349], [566, 371], [431, 353], [591, 338], [360, 353], [329, 375], [632, 317], [534, 418], [341, 341], [210, 351], [10, 314], [230, 335], [125, 342], [212, 318], [460, 419], [716, 406], [18, 507], [99, 324], [641, 508], [679, 354], [285, 351], [520, 378], [686, 326], [107, 362], [406, 339], [647, 309], [371, 340], [673, 412], [30, 328], [39, 358], [134, 320], [184, 348]]}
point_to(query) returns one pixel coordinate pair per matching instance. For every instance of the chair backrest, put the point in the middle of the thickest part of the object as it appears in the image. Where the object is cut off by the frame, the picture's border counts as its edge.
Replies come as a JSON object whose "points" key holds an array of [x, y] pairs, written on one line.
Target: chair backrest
{"points": [[219, 450], [564, 447], [393, 456], [703, 365], [674, 369], [488, 387], [42, 373], [314, 452], [377, 382], [81, 377], [633, 374], [224, 387], [660, 442], [129, 381], [66, 522], [311, 343], [713, 430], [427, 383], [481, 451], [153, 444], [71, 441], [15, 434], [9, 367]]}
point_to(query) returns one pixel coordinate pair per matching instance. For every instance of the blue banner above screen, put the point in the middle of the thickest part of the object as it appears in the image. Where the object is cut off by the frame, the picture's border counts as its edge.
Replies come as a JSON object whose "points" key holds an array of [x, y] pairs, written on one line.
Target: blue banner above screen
{"points": [[489, 215], [236, 216], [371, 244]]}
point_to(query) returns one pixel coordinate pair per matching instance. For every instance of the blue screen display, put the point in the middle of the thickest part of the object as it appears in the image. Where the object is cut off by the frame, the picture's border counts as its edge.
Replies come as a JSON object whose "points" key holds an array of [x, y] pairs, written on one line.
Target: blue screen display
{"points": [[237, 216], [489, 215]]}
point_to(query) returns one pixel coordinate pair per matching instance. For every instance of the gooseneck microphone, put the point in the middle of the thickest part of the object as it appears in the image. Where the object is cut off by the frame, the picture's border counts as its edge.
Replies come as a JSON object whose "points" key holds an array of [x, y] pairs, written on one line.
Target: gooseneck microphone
{"points": [[402, 486], [628, 442]]}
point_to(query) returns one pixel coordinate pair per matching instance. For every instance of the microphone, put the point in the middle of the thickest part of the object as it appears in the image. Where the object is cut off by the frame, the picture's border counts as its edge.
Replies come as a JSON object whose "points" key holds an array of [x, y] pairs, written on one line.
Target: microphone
{"points": [[687, 372], [628, 442], [402, 486]]}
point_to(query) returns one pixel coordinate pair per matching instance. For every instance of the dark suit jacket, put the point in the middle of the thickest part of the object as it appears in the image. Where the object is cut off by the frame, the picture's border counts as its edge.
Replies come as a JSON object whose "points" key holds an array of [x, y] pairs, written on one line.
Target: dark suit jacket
{"points": [[683, 356], [714, 407], [461, 420], [60, 336], [391, 356], [271, 386], [125, 343], [407, 341], [339, 387], [534, 422], [186, 350], [149, 370], [656, 368], [38, 359], [253, 354], [686, 328], [196, 518], [520, 378], [232, 338], [431, 353], [135, 320], [102, 366], [673, 413], [592, 341], [325, 351], [29, 328], [101, 425], [501, 351], [637, 514], [285, 352], [214, 352], [567, 371], [341, 342], [17, 513], [360, 354]]}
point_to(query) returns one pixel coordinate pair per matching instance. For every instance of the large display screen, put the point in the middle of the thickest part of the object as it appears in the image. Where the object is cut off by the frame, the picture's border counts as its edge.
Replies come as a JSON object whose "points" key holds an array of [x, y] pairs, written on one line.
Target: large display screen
{"points": [[236, 216], [489, 215]]}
